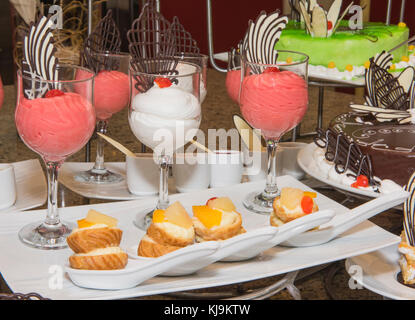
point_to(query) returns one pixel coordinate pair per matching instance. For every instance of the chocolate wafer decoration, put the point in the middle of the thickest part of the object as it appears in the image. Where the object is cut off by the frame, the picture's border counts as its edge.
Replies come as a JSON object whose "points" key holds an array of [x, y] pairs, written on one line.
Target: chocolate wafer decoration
{"points": [[262, 36], [105, 38], [39, 61], [344, 154], [409, 212], [185, 44]]}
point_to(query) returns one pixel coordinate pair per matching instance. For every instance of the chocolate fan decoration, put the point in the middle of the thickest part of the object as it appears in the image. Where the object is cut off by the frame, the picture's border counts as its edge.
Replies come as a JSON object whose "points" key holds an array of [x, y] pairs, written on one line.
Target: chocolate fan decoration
{"points": [[151, 45], [344, 154], [262, 36], [39, 61], [185, 44], [105, 38], [409, 212], [388, 97]]}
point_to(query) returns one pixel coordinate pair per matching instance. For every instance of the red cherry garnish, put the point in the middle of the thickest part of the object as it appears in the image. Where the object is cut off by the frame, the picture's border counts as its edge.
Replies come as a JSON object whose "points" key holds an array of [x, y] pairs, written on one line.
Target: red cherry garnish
{"points": [[307, 204], [271, 69], [163, 82], [362, 181], [211, 199], [54, 93], [329, 25], [355, 185]]}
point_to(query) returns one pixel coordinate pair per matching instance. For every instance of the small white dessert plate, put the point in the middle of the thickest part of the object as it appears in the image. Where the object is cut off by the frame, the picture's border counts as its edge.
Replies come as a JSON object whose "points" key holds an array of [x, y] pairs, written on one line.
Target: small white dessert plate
{"points": [[138, 271], [377, 271], [306, 162], [110, 191], [31, 188]]}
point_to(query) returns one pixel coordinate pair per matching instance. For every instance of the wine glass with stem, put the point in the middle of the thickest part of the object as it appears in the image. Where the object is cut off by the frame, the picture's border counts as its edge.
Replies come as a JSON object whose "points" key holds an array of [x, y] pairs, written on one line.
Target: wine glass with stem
{"points": [[55, 125], [164, 114], [273, 99], [111, 95]]}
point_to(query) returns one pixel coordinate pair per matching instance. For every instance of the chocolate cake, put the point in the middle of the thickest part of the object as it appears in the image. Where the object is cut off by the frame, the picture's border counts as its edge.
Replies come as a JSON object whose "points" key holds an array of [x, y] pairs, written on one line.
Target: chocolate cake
{"points": [[391, 147]]}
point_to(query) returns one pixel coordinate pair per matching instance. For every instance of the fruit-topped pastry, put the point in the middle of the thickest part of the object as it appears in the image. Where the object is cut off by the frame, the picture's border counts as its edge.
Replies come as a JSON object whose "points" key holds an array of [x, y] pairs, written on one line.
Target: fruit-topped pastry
{"points": [[216, 220], [96, 243], [171, 229], [407, 245], [291, 204]]}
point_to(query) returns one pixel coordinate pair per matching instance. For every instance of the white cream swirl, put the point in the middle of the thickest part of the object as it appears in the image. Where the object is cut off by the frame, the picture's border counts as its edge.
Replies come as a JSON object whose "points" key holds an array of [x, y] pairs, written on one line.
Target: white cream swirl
{"points": [[165, 117]]}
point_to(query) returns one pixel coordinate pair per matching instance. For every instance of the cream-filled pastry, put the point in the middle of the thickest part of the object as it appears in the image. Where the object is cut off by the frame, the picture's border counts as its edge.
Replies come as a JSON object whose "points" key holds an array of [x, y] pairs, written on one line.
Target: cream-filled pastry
{"points": [[96, 243], [407, 260], [171, 229], [217, 220], [291, 204]]}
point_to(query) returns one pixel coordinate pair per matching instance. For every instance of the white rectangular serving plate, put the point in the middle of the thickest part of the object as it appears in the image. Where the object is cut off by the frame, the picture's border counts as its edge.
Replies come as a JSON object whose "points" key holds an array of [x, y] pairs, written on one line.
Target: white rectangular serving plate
{"points": [[32, 270]]}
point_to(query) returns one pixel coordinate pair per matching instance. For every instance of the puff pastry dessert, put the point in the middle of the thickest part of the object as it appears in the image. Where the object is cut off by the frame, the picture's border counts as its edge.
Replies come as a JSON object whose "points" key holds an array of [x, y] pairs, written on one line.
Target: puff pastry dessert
{"points": [[171, 229], [96, 243], [217, 220], [407, 260], [291, 204]]}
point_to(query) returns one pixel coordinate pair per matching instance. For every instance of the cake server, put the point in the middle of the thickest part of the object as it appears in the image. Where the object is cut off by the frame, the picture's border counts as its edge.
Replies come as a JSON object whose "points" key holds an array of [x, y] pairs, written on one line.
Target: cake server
{"points": [[348, 220]]}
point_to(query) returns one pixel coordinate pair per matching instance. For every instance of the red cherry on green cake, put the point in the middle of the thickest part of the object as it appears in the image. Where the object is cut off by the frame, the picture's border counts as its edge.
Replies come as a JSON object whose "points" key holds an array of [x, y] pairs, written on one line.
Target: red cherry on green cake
{"points": [[329, 25], [163, 82], [54, 93], [307, 204], [271, 69]]}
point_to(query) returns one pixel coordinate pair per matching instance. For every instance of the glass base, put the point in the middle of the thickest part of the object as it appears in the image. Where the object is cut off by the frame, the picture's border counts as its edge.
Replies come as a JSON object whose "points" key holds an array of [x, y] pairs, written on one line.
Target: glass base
{"points": [[143, 219], [41, 236], [255, 202], [99, 176]]}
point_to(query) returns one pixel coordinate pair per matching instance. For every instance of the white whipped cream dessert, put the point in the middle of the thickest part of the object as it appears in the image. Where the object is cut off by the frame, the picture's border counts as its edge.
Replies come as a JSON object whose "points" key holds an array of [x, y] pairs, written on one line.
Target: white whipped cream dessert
{"points": [[186, 83], [327, 171], [165, 118]]}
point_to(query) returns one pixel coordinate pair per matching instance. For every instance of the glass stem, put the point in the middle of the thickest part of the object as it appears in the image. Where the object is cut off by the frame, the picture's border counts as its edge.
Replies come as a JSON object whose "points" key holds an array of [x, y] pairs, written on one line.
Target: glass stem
{"points": [[52, 218], [163, 201], [271, 188], [102, 126]]}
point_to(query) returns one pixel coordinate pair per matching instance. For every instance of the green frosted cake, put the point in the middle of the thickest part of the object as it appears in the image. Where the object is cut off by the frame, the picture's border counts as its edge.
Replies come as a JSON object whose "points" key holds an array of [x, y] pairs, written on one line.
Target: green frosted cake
{"points": [[346, 48]]}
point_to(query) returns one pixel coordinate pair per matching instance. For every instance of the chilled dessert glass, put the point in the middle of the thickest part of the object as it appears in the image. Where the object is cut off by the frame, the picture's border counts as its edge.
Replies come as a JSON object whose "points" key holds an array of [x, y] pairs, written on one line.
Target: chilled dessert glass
{"points": [[233, 75], [273, 99], [202, 61], [55, 126], [111, 95], [164, 114]]}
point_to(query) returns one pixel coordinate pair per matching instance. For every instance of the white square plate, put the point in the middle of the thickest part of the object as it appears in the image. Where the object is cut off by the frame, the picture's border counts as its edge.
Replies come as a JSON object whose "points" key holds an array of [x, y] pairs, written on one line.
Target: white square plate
{"points": [[31, 270], [30, 184]]}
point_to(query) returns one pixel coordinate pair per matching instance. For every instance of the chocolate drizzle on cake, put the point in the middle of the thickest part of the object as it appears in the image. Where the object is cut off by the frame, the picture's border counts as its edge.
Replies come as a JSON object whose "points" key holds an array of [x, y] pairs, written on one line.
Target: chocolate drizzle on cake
{"points": [[39, 61], [345, 155], [104, 39]]}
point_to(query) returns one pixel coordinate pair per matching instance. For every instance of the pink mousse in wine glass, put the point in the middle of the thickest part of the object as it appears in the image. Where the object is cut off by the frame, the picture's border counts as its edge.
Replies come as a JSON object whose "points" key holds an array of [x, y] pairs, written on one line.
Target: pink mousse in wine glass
{"points": [[274, 102], [111, 92], [233, 82], [57, 126]]}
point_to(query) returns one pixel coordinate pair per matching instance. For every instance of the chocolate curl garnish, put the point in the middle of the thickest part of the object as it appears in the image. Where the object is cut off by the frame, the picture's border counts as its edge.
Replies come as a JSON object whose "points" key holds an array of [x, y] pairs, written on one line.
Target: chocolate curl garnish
{"points": [[39, 61], [185, 44], [150, 36], [383, 89], [262, 36], [105, 38], [344, 154], [409, 212]]}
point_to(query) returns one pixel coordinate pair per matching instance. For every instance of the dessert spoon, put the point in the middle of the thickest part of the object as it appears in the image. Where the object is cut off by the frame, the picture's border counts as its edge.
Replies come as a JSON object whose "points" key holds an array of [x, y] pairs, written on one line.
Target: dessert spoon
{"points": [[347, 220], [117, 145]]}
